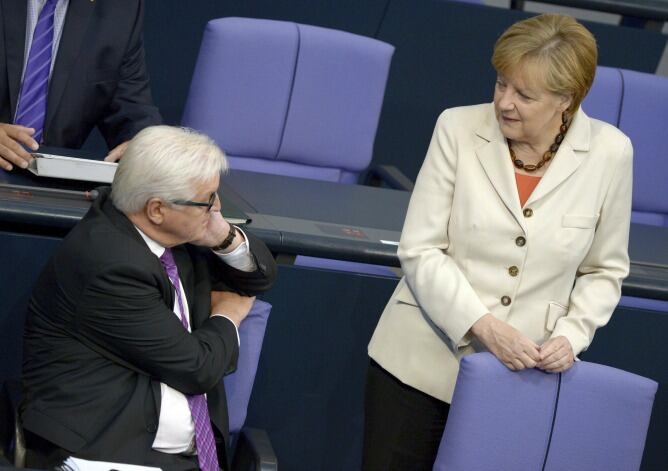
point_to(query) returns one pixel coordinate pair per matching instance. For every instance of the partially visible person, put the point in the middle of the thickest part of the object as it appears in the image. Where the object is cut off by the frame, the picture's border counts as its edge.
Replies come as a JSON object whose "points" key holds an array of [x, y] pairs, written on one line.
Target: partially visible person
{"points": [[515, 240], [66, 67], [133, 322]]}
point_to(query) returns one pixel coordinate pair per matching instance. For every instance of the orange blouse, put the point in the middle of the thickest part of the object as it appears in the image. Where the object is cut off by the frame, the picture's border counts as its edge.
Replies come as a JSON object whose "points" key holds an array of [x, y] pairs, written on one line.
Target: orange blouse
{"points": [[525, 186]]}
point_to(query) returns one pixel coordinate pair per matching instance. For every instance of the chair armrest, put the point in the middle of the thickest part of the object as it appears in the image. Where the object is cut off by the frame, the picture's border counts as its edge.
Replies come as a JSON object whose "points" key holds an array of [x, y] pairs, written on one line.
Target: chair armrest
{"points": [[254, 452], [390, 175]]}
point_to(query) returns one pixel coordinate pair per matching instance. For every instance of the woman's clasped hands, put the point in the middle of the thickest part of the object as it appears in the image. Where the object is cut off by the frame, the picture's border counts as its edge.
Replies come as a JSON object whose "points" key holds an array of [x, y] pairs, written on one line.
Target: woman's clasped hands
{"points": [[517, 351]]}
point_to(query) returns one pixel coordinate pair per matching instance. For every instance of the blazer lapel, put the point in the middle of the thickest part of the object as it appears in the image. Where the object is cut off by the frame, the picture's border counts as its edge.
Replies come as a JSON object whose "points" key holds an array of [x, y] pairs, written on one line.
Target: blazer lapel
{"points": [[567, 159], [15, 13], [74, 29], [494, 157]]}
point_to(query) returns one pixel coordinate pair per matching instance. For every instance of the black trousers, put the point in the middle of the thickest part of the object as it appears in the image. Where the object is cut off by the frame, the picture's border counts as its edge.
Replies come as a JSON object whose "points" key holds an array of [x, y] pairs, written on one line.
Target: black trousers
{"points": [[402, 426]]}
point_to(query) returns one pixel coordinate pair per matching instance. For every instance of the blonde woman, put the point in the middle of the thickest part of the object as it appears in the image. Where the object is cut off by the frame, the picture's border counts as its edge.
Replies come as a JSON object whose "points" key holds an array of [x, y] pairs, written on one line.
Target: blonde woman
{"points": [[515, 240]]}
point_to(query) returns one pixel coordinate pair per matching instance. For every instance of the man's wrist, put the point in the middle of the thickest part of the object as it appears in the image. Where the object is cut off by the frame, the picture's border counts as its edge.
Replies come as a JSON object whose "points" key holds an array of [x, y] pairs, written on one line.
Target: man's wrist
{"points": [[227, 241]]}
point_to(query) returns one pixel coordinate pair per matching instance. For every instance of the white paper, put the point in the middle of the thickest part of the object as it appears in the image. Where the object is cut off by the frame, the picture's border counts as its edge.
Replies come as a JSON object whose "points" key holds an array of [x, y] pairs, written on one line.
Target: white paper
{"points": [[71, 168], [77, 464]]}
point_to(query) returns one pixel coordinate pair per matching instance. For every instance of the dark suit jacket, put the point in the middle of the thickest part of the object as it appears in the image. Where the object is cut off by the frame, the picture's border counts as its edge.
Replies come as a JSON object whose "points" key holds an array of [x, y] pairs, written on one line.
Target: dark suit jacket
{"points": [[101, 335], [99, 77]]}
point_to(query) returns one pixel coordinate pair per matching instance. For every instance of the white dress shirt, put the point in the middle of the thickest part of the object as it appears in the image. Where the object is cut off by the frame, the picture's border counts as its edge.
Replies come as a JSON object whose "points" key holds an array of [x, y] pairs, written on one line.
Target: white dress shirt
{"points": [[176, 430]]}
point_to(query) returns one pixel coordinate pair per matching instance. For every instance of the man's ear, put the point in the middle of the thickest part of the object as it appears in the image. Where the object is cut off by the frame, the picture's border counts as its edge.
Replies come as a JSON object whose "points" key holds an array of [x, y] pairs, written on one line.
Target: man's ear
{"points": [[155, 211]]}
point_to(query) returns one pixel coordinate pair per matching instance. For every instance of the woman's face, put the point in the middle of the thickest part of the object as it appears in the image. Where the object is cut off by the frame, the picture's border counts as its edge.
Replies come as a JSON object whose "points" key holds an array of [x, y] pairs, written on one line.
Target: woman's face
{"points": [[526, 112]]}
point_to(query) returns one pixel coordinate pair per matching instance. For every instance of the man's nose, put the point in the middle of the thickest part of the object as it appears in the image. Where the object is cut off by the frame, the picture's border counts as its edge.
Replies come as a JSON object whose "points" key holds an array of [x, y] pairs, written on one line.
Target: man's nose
{"points": [[216, 204]]}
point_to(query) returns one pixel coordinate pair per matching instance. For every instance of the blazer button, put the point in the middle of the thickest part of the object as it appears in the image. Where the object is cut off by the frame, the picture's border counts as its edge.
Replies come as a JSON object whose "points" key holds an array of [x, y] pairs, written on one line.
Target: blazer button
{"points": [[528, 212], [520, 241], [513, 271], [505, 300], [151, 428]]}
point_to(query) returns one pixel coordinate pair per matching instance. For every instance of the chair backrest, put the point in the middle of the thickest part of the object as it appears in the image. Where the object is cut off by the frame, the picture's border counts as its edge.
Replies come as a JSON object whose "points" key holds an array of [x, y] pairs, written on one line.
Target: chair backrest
{"points": [[291, 99], [590, 417], [239, 385], [644, 118], [604, 100], [637, 103]]}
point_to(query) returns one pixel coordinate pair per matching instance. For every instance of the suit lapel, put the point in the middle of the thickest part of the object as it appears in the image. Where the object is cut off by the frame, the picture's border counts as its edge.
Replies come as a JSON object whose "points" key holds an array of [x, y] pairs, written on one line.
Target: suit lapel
{"points": [[494, 157], [567, 159], [74, 30], [14, 17]]}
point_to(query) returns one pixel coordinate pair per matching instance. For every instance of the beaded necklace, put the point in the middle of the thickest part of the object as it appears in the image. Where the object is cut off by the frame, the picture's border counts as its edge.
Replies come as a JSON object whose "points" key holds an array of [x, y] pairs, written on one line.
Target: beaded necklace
{"points": [[547, 156]]}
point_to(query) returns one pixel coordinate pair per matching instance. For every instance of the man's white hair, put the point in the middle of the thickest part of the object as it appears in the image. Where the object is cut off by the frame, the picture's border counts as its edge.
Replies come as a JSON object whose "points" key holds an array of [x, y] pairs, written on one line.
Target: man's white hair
{"points": [[165, 162]]}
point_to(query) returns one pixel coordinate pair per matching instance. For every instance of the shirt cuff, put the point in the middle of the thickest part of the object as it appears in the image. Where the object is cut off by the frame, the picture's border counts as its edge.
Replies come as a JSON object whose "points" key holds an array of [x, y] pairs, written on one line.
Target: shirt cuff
{"points": [[236, 329], [241, 257]]}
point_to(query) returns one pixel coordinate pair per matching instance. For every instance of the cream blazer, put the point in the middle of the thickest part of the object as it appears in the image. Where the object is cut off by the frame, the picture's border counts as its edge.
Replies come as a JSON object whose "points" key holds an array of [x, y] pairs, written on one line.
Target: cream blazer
{"points": [[554, 267]]}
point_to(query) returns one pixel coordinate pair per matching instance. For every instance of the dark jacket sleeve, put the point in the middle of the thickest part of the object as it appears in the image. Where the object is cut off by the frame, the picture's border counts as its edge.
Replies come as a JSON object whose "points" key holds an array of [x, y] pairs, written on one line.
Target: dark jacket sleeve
{"points": [[123, 316], [131, 108], [226, 278]]}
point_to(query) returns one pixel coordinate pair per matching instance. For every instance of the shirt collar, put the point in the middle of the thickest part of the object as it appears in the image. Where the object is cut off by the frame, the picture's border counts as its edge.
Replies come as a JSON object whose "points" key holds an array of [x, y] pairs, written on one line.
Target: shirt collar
{"points": [[153, 246]]}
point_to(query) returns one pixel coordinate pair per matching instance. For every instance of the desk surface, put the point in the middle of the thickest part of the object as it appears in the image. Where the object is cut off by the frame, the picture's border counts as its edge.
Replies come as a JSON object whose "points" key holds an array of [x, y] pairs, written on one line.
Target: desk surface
{"points": [[656, 10], [295, 216]]}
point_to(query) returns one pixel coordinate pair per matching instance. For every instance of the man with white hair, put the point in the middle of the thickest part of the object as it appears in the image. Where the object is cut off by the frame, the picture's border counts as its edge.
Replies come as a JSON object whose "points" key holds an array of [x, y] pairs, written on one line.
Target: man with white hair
{"points": [[134, 320]]}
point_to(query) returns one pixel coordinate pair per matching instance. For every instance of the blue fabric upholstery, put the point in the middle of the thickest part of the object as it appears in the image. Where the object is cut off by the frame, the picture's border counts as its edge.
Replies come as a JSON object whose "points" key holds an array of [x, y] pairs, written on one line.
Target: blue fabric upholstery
{"points": [[590, 417]]}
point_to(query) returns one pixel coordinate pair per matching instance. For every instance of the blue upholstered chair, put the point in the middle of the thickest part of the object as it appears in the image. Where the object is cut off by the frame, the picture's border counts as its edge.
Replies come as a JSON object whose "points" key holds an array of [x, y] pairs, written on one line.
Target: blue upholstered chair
{"points": [[291, 99], [637, 103], [644, 118], [604, 100], [251, 447], [590, 417]]}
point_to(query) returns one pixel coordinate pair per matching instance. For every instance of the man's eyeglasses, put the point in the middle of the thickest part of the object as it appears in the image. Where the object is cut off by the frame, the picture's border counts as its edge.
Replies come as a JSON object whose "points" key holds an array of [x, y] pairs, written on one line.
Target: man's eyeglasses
{"points": [[208, 205]]}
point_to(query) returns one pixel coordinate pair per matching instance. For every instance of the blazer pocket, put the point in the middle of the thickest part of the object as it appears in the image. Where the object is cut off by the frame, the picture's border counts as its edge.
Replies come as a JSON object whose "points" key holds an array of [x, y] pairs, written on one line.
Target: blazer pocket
{"points": [[579, 221], [555, 311]]}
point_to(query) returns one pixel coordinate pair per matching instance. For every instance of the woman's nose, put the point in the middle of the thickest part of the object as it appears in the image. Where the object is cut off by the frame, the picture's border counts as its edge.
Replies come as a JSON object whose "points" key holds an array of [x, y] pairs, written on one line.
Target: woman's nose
{"points": [[506, 102]]}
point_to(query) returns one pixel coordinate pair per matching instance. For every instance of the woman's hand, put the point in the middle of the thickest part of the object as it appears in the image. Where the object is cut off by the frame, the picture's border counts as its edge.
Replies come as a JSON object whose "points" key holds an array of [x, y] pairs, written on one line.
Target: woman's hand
{"points": [[556, 355], [515, 350]]}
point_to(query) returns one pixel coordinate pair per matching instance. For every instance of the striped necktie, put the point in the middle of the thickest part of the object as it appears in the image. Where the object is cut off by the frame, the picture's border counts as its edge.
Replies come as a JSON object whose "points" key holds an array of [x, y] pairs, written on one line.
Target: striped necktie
{"points": [[31, 108], [206, 445]]}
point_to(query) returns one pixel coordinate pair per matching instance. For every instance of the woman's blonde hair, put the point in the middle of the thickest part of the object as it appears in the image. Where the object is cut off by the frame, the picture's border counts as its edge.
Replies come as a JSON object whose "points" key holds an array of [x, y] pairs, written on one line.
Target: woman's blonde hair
{"points": [[560, 50]]}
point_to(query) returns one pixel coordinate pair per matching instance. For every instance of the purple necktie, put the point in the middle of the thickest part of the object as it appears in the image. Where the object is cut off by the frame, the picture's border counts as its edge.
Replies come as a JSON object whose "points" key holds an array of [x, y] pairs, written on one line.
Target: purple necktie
{"points": [[31, 109], [206, 446]]}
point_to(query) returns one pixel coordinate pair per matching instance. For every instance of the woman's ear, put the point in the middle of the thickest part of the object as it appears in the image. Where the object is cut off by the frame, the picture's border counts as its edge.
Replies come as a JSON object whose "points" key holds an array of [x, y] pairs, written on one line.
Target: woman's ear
{"points": [[565, 102]]}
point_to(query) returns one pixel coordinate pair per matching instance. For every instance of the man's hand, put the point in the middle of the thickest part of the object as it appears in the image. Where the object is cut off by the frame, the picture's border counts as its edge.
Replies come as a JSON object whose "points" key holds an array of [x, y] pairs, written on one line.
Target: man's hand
{"points": [[216, 229], [11, 151], [556, 355], [232, 305], [515, 350], [117, 152]]}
